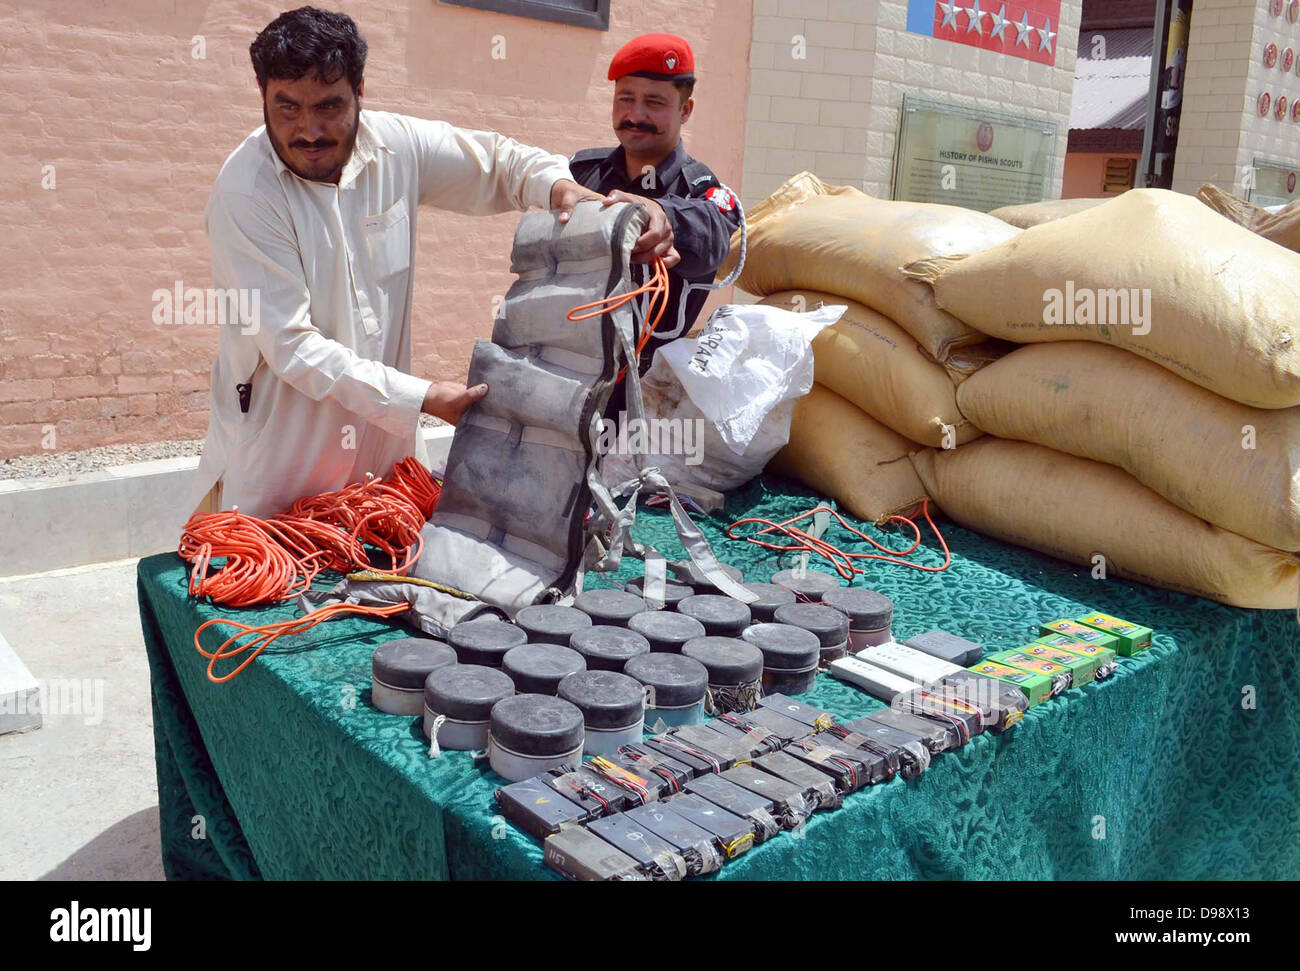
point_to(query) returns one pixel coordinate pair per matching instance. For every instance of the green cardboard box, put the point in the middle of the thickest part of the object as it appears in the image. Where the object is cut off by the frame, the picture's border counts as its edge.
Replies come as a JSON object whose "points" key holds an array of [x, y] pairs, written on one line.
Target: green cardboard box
{"points": [[1081, 632], [1037, 687], [1064, 642], [1132, 638], [1083, 667]]}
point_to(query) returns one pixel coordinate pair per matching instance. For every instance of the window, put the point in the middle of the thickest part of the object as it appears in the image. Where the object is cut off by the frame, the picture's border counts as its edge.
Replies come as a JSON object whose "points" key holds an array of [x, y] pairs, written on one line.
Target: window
{"points": [[581, 13], [1119, 174]]}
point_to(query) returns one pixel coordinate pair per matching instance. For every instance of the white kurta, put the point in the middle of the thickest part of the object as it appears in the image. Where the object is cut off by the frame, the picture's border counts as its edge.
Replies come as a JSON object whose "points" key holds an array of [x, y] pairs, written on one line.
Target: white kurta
{"points": [[328, 353]]}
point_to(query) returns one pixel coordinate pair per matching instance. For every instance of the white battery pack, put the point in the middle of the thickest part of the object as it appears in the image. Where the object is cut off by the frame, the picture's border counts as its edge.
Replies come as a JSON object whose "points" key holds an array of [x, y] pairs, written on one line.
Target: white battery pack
{"points": [[875, 681], [907, 662]]}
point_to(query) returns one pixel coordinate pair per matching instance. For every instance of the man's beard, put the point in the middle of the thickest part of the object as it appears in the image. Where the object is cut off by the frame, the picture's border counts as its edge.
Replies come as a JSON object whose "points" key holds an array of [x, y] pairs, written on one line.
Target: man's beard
{"points": [[333, 174]]}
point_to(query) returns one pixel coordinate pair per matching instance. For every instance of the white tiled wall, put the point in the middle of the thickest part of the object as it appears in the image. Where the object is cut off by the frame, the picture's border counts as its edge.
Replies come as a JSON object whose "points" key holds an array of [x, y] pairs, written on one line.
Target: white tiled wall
{"points": [[835, 110], [1221, 131]]}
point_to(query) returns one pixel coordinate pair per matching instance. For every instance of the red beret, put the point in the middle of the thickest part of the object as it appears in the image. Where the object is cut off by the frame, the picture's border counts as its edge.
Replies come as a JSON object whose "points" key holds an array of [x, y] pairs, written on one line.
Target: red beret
{"points": [[663, 57]]}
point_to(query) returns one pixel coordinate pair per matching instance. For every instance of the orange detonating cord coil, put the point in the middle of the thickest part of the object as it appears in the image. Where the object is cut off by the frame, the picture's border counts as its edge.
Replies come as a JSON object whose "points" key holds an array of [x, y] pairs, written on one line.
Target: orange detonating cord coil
{"points": [[656, 287], [274, 560], [841, 560], [267, 633]]}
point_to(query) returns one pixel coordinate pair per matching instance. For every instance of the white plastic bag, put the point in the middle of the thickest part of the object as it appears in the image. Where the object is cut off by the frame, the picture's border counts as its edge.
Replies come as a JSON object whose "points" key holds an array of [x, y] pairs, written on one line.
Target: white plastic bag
{"points": [[718, 406]]}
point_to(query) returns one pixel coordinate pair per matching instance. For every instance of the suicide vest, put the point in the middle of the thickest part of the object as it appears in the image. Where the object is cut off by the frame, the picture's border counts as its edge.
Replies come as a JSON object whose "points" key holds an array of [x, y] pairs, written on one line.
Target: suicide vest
{"points": [[512, 526]]}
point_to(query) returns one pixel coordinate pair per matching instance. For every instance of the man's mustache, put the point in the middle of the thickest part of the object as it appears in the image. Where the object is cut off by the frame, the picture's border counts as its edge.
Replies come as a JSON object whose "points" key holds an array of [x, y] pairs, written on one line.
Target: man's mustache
{"points": [[302, 144], [639, 126]]}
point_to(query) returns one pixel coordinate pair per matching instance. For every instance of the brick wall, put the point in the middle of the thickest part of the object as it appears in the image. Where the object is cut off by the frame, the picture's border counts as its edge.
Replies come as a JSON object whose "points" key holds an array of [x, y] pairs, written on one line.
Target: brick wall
{"points": [[1221, 131], [135, 127], [835, 111]]}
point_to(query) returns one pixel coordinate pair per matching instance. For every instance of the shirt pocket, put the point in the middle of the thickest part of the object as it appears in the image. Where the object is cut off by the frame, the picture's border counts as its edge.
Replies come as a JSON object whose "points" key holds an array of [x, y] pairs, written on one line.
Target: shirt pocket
{"points": [[388, 241]]}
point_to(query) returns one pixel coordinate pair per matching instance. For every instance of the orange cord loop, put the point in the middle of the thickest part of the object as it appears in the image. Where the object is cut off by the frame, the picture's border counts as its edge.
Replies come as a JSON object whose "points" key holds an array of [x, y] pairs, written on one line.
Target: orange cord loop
{"points": [[842, 560], [268, 633], [656, 287], [274, 560]]}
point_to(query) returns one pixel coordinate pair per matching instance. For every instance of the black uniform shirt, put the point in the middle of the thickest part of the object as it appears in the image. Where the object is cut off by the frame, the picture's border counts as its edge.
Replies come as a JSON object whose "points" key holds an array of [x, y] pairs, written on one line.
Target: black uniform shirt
{"points": [[702, 213]]}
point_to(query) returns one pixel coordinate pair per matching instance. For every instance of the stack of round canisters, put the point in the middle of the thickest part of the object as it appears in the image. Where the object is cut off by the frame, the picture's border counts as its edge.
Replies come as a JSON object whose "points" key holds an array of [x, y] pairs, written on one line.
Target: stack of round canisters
{"points": [[808, 585], [870, 615], [790, 657], [735, 672], [721, 616], [610, 608], [399, 669], [529, 734], [770, 596], [608, 648], [550, 623], [485, 641], [539, 668], [666, 630], [830, 625], [458, 700], [675, 687], [674, 592], [612, 706]]}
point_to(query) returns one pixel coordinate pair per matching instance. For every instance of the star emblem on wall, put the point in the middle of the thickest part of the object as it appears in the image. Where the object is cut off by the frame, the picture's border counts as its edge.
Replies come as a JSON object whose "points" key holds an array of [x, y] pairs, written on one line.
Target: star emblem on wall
{"points": [[949, 14], [1000, 23], [1023, 30], [1047, 35], [966, 19]]}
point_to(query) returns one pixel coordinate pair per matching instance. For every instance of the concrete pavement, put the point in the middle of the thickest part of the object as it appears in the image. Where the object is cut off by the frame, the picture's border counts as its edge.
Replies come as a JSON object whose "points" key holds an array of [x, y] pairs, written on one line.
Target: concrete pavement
{"points": [[78, 797]]}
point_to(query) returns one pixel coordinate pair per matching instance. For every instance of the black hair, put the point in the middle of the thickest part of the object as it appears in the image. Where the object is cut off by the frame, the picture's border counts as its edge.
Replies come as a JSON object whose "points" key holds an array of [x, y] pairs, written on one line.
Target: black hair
{"points": [[306, 41], [687, 88]]}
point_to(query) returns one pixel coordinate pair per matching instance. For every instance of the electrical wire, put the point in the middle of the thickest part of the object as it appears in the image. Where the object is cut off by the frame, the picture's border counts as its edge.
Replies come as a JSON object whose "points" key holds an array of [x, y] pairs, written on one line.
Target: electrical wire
{"points": [[273, 560], [656, 291], [637, 755], [811, 746], [768, 738], [842, 560], [621, 777], [699, 754], [737, 846], [266, 561], [741, 697], [267, 633], [580, 789]]}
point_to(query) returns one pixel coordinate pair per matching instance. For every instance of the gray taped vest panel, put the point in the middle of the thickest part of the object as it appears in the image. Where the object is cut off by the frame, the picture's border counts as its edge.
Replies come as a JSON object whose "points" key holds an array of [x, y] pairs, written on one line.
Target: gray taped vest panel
{"points": [[509, 526]]}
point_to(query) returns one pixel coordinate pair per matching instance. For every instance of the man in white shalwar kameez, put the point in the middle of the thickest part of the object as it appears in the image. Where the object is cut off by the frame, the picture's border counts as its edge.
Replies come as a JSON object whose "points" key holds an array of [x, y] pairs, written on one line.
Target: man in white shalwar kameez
{"points": [[314, 215]]}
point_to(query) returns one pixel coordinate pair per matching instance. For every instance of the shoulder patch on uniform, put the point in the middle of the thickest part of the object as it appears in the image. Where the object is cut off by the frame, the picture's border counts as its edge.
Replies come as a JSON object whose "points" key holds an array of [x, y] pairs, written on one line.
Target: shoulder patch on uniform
{"points": [[721, 197], [696, 172]]}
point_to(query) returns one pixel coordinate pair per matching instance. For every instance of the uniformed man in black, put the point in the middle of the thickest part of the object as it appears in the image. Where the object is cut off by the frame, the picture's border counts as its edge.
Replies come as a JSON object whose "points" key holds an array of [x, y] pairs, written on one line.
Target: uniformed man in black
{"points": [[692, 215]]}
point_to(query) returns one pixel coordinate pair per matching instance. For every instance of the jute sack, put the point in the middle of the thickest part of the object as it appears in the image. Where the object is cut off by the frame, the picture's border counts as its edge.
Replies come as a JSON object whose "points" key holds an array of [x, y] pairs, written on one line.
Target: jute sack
{"points": [[875, 364], [853, 245], [1032, 213], [970, 358], [844, 453], [1281, 227], [1073, 509], [1235, 466], [1154, 272], [795, 190]]}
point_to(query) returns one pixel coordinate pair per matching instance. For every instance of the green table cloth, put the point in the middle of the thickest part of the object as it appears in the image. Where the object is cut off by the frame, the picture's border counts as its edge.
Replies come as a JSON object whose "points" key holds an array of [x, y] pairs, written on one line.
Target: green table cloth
{"points": [[1183, 765]]}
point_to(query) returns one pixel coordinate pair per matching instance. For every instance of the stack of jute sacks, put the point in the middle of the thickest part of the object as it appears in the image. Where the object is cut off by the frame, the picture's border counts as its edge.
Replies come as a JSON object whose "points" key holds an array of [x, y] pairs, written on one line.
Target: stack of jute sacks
{"points": [[1118, 387], [1282, 226]]}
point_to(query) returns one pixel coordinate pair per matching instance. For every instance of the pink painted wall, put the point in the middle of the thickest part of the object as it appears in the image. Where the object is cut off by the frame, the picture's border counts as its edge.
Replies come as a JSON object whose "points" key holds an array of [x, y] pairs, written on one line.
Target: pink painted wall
{"points": [[109, 94], [1085, 174]]}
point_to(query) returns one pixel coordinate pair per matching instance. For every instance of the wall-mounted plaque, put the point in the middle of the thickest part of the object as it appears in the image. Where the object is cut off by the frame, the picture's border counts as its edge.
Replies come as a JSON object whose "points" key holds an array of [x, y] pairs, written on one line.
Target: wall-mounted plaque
{"points": [[963, 155]]}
